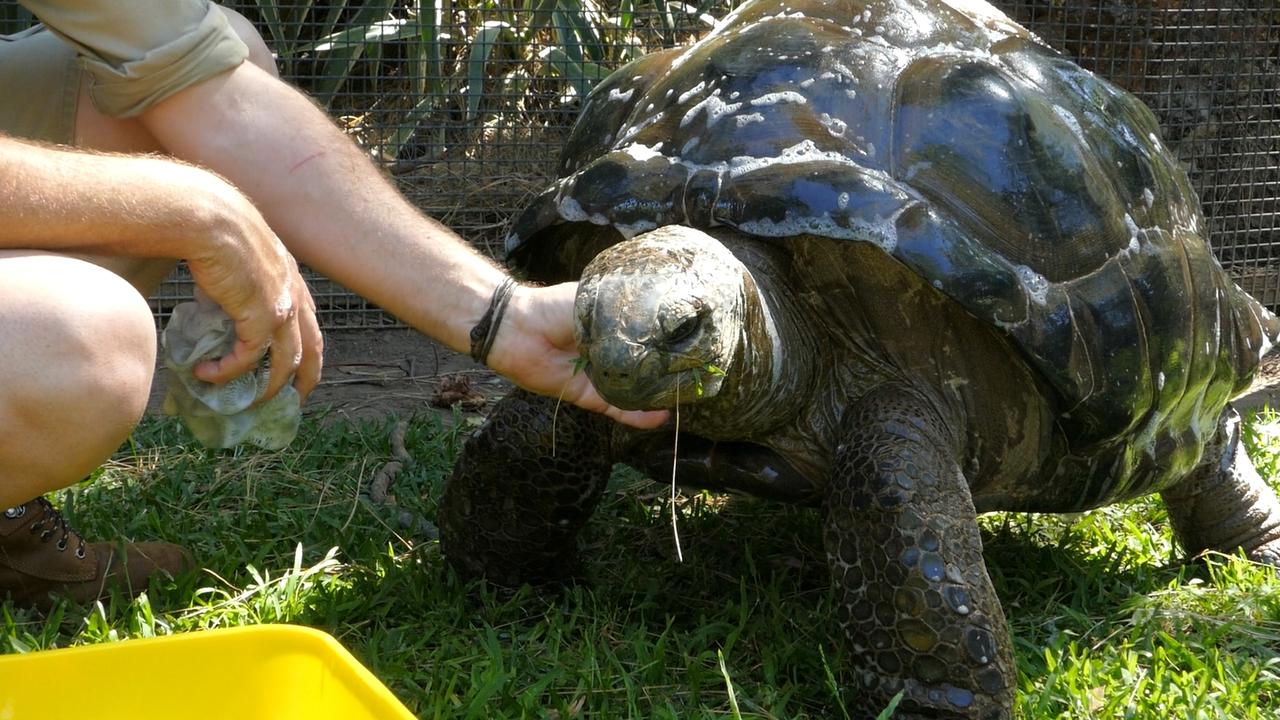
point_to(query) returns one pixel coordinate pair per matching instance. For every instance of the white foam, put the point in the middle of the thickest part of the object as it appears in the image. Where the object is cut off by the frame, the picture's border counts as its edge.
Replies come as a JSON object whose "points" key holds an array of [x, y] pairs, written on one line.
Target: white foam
{"points": [[802, 152], [1133, 229], [714, 107], [775, 98], [635, 129], [835, 126], [571, 210], [744, 120], [684, 96], [644, 152], [1033, 282], [881, 232]]}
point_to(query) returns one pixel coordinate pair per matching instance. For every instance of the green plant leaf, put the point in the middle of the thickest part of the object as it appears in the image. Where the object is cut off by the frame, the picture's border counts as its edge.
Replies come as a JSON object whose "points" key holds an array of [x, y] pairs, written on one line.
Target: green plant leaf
{"points": [[735, 712], [372, 26], [384, 30], [429, 51], [481, 49], [585, 73], [891, 708]]}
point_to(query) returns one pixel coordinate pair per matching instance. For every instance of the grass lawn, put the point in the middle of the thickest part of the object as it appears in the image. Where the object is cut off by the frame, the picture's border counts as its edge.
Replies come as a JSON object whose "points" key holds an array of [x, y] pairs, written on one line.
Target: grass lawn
{"points": [[1104, 625]]}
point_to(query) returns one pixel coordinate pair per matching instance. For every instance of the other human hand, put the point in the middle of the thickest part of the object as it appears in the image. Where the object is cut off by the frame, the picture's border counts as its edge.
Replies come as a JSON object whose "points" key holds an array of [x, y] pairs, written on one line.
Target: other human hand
{"points": [[247, 271]]}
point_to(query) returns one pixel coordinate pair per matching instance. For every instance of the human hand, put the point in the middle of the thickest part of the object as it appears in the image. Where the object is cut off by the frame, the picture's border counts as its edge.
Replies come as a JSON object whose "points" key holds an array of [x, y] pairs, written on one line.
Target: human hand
{"points": [[246, 270], [536, 349]]}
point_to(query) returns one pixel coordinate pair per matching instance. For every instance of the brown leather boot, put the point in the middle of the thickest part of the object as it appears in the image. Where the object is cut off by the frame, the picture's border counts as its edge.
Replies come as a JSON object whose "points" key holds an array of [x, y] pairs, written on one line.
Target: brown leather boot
{"points": [[41, 558]]}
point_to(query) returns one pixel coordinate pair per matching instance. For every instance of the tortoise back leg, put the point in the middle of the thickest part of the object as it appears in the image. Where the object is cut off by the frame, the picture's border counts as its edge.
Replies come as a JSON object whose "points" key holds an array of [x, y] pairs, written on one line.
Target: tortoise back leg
{"points": [[902, 540], [512, 509], [1224, 505]]}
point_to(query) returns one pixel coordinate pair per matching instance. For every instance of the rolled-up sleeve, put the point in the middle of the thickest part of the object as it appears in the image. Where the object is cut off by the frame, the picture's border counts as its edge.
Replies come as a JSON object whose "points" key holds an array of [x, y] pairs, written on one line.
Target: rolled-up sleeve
{"points": [[140, 52]]}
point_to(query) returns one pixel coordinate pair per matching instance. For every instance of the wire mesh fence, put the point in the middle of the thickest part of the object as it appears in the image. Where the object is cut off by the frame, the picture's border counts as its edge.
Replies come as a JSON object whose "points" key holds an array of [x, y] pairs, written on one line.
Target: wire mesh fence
{"points": [[466, 104], [1210, 69]]}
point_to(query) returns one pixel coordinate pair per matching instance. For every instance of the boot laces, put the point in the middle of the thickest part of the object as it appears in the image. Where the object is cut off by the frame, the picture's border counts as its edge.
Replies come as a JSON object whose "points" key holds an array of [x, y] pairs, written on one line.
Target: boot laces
{"points": [[52, 522]]}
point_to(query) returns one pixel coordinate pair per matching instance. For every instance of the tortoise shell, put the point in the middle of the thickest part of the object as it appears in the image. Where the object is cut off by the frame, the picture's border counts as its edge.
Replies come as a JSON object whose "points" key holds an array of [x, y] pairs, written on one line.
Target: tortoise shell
{"points": [[1036, 195]]}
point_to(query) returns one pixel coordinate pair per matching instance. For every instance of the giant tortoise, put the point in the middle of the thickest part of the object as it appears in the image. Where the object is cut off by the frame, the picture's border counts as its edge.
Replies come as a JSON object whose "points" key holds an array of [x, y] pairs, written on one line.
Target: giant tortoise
{"points": [[899, 260]]}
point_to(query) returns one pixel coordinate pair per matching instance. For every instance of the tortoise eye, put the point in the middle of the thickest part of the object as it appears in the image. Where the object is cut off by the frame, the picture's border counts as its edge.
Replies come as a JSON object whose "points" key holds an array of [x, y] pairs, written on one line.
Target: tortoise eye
{"points": [[684, 330]]}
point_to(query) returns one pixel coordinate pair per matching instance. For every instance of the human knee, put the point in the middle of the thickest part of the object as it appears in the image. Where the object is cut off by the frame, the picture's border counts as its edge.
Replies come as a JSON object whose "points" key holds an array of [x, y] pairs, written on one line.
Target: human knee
{"points": [[259, 53], [82, 345], [117, 340]]}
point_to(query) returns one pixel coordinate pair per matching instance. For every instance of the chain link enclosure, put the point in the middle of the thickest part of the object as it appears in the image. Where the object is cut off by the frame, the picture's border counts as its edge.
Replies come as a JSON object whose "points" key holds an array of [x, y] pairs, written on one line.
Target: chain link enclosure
{"points": [[466, 104]]}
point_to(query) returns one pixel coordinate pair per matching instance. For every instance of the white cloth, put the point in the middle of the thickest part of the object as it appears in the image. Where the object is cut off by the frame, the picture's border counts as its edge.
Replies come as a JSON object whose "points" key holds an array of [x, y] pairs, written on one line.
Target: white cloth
{"points": [[220, 416]]}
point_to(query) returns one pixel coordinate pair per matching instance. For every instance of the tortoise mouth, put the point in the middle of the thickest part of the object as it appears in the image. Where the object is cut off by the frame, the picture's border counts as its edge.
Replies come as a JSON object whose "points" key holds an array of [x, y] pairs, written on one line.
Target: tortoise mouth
{"points": [[664, 392]]}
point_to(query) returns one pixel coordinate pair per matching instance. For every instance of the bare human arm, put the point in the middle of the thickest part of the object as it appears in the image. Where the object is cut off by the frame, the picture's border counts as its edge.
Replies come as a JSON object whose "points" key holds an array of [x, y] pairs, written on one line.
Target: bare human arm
{"points": [[338, 214], [66, 201]]}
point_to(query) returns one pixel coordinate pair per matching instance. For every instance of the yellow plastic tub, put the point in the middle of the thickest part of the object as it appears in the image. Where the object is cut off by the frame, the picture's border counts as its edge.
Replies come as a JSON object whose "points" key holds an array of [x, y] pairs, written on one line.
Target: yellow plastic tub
{"points": [[264, 672]]}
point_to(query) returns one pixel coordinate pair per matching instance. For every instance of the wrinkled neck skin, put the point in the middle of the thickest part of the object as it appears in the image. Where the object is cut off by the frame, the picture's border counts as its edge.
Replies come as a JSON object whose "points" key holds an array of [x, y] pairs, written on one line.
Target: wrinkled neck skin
{"points": [[772, 375]]}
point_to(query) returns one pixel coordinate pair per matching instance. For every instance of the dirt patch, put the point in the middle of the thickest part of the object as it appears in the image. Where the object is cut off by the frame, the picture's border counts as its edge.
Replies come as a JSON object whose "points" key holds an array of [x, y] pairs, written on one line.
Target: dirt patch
{"points": [[369, 374]]}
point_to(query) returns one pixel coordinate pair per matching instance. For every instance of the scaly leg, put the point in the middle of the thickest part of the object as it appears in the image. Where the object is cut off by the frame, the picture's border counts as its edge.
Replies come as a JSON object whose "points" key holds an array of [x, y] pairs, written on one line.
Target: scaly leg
{"points": [[902, 540], [512, 510], [1224, 505]]}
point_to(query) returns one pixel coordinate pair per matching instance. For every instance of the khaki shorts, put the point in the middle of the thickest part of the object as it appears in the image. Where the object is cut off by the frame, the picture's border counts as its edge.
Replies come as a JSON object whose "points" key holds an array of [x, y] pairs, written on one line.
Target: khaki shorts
{"points": [[39, 86], [135, 54]]}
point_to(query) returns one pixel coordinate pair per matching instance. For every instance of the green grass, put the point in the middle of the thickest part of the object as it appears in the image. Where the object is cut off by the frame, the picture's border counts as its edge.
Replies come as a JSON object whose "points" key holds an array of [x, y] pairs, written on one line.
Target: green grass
{"points": [[1104, 625]]}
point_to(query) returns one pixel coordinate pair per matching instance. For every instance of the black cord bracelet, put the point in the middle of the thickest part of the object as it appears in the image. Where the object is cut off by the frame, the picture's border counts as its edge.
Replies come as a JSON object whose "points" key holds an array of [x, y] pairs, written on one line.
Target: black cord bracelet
{"points": [[484, 332]]}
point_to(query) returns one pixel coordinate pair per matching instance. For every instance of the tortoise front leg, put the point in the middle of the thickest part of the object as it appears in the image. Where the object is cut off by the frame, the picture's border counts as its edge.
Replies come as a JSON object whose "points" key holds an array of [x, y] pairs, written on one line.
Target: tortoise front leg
{"points": [[512, 509], [902, 540]]}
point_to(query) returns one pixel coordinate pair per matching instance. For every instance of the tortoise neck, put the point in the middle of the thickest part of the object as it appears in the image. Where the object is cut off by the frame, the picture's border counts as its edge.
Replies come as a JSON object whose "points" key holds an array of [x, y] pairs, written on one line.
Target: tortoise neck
{"points": [[777, 352], [764, 385]]}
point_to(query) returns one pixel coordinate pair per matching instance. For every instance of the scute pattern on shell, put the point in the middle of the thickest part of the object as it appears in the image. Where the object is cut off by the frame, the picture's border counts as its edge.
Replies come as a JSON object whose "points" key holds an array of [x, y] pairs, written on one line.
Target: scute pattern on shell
{"points": [[1033, 193]]}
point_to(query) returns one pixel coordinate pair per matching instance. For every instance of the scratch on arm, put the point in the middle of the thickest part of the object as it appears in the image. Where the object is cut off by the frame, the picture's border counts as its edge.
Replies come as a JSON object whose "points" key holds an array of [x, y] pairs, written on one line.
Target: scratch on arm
{"points": [[305, 160]]}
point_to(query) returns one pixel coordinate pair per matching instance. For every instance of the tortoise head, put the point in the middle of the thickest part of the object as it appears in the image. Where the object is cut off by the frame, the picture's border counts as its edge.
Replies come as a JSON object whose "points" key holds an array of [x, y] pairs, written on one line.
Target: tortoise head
{"points": [[659, 316]]}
